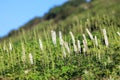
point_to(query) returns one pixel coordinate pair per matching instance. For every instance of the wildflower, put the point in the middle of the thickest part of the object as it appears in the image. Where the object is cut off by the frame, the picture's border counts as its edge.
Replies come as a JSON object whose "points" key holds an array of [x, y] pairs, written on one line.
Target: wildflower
{"points": [[72, 36], [79, 47], [86, 72], [75, 48], [111, 77], [31, 58], [85, 46], [118, 33], [53, 34], [64, 53], [96, 42], [40, 44], [118, 66], [84, 43], [60, 38], [23, 53], [73, 40], [10, 46], [105, 37], [27, 71], [4, 47], [91, 36], [84, 37], [67, 47]]}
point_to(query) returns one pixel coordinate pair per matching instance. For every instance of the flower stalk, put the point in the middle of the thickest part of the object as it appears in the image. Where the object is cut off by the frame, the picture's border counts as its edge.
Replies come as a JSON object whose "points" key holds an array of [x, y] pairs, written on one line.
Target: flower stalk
{"points": [[79, 46], [73, 40], [31, 58], [53, 34], [118, 33], [105, 38], [60, 38], [90, 34], [40, 44], [96, 41]]}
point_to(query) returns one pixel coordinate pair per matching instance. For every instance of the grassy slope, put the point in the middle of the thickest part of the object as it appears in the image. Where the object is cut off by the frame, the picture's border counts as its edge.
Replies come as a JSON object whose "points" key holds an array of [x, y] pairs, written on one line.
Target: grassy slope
{"points": [[97, 63]]}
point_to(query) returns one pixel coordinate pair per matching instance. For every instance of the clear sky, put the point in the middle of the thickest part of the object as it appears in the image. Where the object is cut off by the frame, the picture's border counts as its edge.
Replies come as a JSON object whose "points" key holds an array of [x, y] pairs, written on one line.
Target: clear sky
{"points": [[15, 13]]}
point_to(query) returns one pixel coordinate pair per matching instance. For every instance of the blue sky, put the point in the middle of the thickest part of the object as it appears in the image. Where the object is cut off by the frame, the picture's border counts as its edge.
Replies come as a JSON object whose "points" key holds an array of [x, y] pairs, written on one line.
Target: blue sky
{"points": [[15, 13]]}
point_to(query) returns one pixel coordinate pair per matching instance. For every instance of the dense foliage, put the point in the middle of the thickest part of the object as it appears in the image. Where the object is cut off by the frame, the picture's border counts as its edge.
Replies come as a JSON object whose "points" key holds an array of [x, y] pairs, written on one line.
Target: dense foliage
{"points": [[90, 48]]}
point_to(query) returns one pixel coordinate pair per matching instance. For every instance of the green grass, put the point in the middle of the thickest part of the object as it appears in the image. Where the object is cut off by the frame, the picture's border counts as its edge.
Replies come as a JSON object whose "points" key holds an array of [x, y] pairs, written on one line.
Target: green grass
{"points": [[97, 63]]}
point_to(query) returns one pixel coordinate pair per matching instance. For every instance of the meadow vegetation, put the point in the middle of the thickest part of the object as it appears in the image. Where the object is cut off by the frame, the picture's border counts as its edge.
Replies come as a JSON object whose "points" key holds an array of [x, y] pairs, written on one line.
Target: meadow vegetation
{"points": [[84, 45]]}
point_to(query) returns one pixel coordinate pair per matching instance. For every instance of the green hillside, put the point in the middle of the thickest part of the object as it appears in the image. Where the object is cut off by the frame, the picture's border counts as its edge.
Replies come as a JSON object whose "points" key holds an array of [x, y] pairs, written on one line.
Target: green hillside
{"points": [[75, 41]]}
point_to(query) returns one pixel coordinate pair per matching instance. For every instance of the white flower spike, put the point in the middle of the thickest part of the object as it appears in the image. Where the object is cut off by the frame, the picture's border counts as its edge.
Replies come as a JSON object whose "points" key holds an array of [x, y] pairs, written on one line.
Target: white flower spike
{"points": [[53, 34], [10, 46], [31, 58], [79, 46], [60, 38], [118, 33], [90, 34], [105, 37], [96, 41], [73, 40], [40, 44], [67, 47]]}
